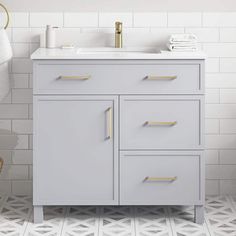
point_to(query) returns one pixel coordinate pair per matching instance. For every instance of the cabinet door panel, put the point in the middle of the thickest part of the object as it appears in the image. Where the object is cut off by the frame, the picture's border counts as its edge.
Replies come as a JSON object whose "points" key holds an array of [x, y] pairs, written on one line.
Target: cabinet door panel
{"points": [[74, 159]]}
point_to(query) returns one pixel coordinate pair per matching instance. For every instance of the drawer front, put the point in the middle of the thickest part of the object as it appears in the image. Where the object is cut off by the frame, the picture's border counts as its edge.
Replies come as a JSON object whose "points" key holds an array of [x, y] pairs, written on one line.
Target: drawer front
{"points": [[160, 179], [161, 122], [117, 78]]}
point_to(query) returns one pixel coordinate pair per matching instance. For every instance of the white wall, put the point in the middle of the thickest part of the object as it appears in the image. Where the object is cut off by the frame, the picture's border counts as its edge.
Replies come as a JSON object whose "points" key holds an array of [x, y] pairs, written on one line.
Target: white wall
{"points": [[217, 37], [121, 5]]}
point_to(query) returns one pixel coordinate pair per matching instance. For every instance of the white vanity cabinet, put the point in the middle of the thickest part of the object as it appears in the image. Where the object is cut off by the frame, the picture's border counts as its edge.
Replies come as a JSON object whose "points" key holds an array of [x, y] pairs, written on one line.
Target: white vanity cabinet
{"points": [[118, 132]]}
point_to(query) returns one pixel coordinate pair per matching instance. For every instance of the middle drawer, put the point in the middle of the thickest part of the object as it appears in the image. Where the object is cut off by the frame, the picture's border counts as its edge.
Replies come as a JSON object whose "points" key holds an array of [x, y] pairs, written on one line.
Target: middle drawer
{"points": [[161, 122]]}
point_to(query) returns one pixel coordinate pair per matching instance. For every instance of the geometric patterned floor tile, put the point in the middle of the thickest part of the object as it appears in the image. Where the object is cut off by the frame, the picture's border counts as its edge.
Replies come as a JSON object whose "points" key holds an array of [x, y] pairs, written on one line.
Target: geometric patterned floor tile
{"points": [[16, 219], [81, 220], [14, 214], [52, 224], [218, 207], [182, 222], [118, 220], [152, 220], [220, 216]]}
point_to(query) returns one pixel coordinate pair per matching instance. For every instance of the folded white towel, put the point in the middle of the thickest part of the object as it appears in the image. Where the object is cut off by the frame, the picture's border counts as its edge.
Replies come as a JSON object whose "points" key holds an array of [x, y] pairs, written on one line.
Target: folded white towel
{"points": [[5, 56], [179, 48], [184, 44], [182, 38]]}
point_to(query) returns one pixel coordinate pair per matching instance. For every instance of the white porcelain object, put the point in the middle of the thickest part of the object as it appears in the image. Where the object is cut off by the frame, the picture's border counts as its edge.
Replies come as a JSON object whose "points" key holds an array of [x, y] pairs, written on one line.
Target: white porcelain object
{"points": [[50, 37]]}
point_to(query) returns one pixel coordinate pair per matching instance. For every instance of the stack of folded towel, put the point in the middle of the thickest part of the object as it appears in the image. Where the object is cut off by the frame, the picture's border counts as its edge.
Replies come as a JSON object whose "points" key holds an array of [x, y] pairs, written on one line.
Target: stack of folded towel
{"points": [[182, 43]]}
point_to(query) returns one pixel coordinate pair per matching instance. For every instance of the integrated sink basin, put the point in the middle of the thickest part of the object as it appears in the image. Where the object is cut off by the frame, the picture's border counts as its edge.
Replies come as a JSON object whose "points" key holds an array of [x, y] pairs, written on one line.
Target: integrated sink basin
{"points": [[111, 50], [110, 53]]}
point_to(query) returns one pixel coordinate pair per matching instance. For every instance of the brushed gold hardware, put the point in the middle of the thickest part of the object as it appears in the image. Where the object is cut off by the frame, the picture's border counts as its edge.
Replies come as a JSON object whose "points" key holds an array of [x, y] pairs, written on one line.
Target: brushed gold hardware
{"points": [[159, 179], [1, 164], [118, 35], [77, 77], [8, 16], [160, 123], [153, 77], [109, 123]]}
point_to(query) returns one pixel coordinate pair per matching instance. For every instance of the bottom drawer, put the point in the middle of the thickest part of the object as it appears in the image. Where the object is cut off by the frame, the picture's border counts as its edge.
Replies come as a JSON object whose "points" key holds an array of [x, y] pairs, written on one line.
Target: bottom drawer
{"points": [[161, 179]]}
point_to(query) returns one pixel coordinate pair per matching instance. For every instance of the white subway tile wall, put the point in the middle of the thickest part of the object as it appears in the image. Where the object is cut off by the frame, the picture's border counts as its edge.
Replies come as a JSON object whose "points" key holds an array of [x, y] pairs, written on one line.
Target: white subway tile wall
{"points": [[217, 36], [85, 19]]}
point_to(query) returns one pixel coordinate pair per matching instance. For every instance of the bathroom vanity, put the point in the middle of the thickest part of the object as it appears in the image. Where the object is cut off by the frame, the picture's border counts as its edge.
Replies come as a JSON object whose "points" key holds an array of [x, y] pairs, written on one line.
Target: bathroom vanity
{"points": [[118, 128]]}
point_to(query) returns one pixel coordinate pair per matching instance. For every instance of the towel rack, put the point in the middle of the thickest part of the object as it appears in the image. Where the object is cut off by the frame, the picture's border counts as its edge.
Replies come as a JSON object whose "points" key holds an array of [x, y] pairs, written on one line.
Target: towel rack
{"points": [[7, 13]]}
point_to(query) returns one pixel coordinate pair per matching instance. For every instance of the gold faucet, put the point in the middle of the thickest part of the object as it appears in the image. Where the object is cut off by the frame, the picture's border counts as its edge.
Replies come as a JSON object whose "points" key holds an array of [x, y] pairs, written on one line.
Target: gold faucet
{"points": [[118, 35]]}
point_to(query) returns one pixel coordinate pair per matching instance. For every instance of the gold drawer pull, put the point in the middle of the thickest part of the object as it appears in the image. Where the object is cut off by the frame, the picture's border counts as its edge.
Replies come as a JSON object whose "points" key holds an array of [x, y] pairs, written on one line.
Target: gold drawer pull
{"points": [[78, 77], [153, 77], [109, 123], [160, 179], [160, 123], [1, 164]]}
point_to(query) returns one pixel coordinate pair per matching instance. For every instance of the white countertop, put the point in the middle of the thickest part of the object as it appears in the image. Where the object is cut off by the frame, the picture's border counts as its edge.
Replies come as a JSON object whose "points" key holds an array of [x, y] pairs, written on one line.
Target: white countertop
{"points": [[77, 54]]}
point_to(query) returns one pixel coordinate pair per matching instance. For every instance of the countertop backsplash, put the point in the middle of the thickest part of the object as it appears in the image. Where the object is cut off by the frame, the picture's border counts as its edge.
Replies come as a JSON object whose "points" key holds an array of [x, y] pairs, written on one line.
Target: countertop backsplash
{"points": [[216, 33]]}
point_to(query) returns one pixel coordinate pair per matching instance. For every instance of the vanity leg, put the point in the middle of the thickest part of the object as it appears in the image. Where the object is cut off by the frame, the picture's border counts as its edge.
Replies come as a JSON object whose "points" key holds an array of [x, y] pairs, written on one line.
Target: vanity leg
{"points": [[38, 214], [199, 214]]}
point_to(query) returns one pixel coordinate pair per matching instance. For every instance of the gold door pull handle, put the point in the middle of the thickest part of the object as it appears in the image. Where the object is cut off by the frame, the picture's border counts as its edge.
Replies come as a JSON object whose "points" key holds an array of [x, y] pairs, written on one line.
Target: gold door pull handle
{"points": [[77, 77], [160, 123], [1, 164], [159, 179], [109, 121], [160, 77]]}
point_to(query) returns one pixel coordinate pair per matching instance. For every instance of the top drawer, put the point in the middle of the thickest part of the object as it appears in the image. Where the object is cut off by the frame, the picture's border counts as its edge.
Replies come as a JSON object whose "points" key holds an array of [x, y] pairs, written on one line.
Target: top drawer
{"points": [[118, 77]]}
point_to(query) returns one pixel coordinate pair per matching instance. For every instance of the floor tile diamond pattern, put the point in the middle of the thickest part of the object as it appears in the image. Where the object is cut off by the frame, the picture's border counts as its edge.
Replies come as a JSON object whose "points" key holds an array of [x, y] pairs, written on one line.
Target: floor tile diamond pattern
{"points": [[16, 219], [221, 216], [181, 218]]}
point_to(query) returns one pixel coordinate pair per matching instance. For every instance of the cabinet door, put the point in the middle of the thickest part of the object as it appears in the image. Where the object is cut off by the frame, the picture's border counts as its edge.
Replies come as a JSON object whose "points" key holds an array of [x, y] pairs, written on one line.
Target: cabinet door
{"points": [[75, 150]]}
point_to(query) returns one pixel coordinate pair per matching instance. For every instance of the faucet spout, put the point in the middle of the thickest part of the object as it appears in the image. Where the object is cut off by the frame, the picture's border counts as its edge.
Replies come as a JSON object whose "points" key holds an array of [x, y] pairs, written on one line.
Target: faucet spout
{"points": [[118, 35]]}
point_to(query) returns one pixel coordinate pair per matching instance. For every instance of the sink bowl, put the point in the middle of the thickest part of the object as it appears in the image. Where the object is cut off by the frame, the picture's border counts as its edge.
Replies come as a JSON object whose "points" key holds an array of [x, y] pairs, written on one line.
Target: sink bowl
{"points": [[107, 50]]}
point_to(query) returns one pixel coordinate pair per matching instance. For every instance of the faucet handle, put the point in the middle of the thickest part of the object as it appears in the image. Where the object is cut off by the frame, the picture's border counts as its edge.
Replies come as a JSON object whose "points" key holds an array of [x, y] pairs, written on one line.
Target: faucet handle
{"points": [[118, 26]]}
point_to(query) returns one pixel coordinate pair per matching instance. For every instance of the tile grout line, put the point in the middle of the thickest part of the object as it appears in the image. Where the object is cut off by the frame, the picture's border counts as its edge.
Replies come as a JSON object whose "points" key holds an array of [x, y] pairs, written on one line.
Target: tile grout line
{"points": [[64, 219], [98, 210], [134, 220], [170, 220], [206, 221], [28, 220], [208, 226]]}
